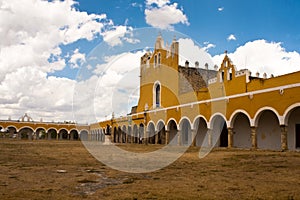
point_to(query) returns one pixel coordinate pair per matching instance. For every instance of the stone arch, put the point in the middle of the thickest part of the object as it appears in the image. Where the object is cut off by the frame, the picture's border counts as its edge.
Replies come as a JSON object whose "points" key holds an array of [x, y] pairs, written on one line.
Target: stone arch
{"points": [[74, 135], [268, 130], [52, 133], [168, 122], [200, 127], [161, 132], [219, 131], [26, 132], [40, 133], [185, 128], [84, 135], [173, 131], [288, 111], [151, 132], [241, 129], [235, 114], [292, 121], [63, 134], [12, 130], [260, 111]]}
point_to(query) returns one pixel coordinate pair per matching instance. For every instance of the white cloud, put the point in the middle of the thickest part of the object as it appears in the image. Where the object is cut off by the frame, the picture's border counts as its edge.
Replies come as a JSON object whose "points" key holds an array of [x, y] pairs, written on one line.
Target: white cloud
{"points": [[32, 33], [220, 9], [164, 14], [263, 57], [77, 59], [231, 37], [208, 46], [193, 52]]}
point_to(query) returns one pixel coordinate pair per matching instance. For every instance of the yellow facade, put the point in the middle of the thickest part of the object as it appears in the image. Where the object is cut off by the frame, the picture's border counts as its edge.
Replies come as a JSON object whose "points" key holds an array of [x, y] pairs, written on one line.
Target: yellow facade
{"points": [[241, 101]]}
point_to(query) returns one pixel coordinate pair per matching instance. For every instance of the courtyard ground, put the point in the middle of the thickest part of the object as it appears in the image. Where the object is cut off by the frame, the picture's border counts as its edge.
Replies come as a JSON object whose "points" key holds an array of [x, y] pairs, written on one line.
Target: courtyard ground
{"points": [[65, 170]]}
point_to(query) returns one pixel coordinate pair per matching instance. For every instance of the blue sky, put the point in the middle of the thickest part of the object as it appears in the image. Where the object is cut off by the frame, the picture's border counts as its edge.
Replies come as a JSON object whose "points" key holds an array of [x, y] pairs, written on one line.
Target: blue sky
{"points": [[247, 20], [43, 45]]}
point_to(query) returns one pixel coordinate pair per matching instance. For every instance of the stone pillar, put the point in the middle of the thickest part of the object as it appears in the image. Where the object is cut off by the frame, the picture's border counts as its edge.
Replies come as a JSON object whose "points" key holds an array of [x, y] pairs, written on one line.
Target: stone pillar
{"points": [[194, 132], [230, 137], [179, 136], [167, 136], [131, 136], [11, 133], [60, 136], [146, 136], [72, 136], [284, 142], [209, 136], [29, 135], [156, 138], [254, 137], [49, 135]]}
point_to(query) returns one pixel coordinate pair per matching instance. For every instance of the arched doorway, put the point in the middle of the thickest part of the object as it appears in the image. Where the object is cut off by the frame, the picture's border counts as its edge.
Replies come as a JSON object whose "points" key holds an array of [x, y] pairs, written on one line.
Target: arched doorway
{"points": [[201, 131], [241, 131], [141, 134], [186, 133], [74, 135], [172, 127], [84, 135], [161, 133], [63, 134], [40, 133], [219, 132], [293, 128], [52, 134], [151, 133], [268, 131], [26, 133]]}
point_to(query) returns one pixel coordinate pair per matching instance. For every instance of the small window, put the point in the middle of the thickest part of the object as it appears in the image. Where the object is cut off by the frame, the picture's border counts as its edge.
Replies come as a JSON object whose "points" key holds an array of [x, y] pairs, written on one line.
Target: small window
{"points": [[159, 58], [155, 60], [156, 95]]}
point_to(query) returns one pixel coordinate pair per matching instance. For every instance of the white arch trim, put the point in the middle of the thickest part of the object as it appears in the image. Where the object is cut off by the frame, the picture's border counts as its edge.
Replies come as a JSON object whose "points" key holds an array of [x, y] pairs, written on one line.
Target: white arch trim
{"points": [[260, 111], [183, 118], [169, 122], [39, 128], [198, 117], [79, 132], [10, 126], [148, 125], [235, 113], [63, 129], [159, 121], [287, 112], [209, 125], [26, 127], [52, 128]]}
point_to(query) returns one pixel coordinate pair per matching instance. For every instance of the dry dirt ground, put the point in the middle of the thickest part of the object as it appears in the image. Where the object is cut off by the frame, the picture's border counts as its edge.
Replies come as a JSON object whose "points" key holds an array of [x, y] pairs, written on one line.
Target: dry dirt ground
{"points": [[65, 170]]}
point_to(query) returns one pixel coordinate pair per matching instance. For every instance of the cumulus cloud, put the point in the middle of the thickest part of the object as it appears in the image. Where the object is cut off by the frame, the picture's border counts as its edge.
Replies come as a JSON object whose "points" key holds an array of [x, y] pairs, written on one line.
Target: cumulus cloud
{"points": [[77, 59], [263, 57], [162, 14], [193, 52], [231, 37], [32, 33]]}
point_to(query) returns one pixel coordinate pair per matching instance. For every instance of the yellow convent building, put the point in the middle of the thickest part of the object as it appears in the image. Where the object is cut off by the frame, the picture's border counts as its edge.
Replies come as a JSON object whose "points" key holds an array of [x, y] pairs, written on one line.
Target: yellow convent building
{"points": [[184, 105]]}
